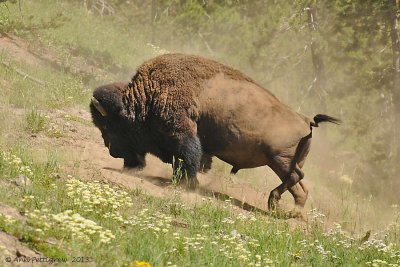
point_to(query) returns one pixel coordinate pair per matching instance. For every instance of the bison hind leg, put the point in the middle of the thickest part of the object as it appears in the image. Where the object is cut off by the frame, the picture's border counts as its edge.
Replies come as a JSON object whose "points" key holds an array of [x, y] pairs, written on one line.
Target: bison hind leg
{"points": [[187, 164], [299, 193], [289, 171], [289, 182]]}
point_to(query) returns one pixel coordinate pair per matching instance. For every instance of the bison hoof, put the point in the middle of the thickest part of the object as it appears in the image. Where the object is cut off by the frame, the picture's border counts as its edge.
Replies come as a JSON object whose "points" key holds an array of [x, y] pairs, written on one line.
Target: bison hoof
{"points": [[273, 200], [189, 184], [204, 170], [281, 214], [131, 164], [300, 202], [134, 168], [298, 214]]}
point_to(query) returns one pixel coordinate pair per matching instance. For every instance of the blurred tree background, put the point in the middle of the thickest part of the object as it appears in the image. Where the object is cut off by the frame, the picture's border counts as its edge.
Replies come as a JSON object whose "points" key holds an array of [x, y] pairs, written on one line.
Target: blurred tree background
{"points": [[338, 57]]}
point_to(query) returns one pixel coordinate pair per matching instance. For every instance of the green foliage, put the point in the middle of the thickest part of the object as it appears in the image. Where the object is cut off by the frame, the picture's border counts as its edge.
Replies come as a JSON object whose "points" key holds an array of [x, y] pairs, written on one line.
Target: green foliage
{"points": [[100, 40], [178, 173], [57, 89], [13, 163], [111, 225], [204, 234], [36, 122]]}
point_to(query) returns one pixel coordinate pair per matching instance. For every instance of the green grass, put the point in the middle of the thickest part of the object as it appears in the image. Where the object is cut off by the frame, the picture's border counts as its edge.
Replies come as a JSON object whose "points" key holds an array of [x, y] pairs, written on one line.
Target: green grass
{"points": [[72, 31], [60, 89], [102, 49], [166, 231], [36, 122], [69, 117]]}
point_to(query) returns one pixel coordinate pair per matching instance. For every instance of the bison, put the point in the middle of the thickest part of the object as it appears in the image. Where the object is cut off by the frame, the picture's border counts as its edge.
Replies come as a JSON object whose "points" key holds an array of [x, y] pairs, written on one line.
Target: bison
{"points": [[191, 108]]}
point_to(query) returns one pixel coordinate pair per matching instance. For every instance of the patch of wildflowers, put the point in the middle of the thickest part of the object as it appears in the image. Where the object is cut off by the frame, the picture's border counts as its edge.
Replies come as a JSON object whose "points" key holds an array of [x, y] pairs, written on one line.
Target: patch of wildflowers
{"points": [[69, 225], [15, 165]]}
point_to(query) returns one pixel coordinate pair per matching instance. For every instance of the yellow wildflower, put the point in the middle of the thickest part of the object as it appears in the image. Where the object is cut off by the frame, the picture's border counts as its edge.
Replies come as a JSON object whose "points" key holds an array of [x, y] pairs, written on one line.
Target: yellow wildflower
{"points": [[140, 264]]}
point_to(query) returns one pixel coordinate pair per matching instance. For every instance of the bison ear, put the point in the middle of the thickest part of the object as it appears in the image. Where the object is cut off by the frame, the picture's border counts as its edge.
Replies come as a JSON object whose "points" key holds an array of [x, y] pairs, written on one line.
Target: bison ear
{"points": [[107, 100]]}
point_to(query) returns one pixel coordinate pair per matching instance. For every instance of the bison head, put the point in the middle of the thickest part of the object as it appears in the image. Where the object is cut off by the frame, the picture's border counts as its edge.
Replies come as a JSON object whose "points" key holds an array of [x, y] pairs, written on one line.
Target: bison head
{"points": [[109, 115]]}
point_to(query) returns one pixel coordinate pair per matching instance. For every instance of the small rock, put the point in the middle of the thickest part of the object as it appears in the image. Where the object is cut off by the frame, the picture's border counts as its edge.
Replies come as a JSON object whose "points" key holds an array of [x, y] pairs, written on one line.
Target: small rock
{"points": [[11, 212], [22, 180]]}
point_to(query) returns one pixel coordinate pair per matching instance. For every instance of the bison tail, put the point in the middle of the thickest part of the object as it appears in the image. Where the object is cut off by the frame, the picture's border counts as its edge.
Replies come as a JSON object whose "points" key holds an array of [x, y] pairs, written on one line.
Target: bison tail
{"points": [[324, 118]]}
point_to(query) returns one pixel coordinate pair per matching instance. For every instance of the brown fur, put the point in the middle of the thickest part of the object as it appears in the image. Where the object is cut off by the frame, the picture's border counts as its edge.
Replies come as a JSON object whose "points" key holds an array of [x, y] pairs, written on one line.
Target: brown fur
{"points": [[168, 87]]}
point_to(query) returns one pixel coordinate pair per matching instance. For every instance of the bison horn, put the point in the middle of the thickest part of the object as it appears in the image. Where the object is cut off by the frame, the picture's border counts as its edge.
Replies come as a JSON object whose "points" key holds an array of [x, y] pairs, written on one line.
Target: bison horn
{"points": [[99, 107]]}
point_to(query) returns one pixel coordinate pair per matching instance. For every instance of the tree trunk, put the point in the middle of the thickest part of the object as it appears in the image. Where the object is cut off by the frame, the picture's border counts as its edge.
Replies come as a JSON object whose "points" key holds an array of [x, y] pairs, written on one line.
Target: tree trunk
{"points": [[153, 21], [319, 68], [394, 34]]}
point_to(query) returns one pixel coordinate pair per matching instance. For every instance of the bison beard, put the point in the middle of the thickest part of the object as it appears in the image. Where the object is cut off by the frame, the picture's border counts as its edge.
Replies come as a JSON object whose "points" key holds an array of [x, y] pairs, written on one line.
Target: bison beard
{"points": [[191, 108]]}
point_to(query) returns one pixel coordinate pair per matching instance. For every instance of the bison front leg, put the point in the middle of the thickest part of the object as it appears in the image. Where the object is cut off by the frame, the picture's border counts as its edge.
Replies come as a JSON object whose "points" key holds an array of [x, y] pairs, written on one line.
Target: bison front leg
{"points": [[188, 156], [136, 161], [206, 162]]}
